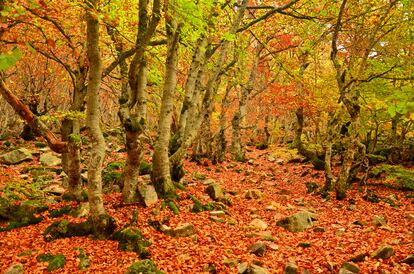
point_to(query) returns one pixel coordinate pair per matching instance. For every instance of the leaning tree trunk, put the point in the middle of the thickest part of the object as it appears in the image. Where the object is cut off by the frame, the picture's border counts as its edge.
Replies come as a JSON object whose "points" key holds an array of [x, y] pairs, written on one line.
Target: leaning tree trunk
{"points": [[102, 224], [161, 176]]}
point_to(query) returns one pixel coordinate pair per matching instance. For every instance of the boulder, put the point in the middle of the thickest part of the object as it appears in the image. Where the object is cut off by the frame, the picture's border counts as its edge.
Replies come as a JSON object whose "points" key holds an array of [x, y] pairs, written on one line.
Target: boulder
{"points": [[379, 220], [253, 194], [291, 268], [349, 267], [148, 194], [258, 249], [183, 230], [16, 156], [255, 269], [297, 222], [55, 189], [384, 252], [214, 191], [50, 159], [409, 260], [15, 269], [257, 224], [131, 239]]}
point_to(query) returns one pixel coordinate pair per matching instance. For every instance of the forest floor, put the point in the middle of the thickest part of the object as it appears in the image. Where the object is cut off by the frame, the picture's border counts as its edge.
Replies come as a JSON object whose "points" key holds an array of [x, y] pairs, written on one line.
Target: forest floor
{"points": [[343, 229]]}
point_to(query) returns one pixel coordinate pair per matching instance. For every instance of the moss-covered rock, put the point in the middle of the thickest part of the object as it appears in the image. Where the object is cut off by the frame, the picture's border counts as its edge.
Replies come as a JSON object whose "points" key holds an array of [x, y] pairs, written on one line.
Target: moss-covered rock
{"points": [[60, 212], [84, 261], [144, 267], [131, 239], [54, 261], [402, 177], [21, 215], [65, 229]]}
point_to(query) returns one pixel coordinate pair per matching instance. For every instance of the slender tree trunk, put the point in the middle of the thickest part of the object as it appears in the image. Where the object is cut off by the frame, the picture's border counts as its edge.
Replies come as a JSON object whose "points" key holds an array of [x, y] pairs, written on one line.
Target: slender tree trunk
{"points": [[160, 176], [102, 224]]}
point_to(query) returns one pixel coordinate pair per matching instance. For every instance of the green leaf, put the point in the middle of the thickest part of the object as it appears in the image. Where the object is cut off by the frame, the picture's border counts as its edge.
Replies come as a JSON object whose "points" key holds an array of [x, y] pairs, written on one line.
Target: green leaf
{"points": [[9, 59]]}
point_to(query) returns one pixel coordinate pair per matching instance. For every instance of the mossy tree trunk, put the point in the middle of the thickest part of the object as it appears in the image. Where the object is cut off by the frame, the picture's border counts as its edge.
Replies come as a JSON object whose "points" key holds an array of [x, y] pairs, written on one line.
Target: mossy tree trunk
{"points": [[161, 176], [99, 220], [132, 112]]}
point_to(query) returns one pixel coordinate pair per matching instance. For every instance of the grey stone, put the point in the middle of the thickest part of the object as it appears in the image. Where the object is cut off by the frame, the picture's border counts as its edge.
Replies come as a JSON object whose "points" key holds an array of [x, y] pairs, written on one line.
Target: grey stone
{"points": [[257, 224], [258, 249], [218, 213], [297, 222], [50, 159], [15, 269], [214, 191], [379, 220], [351, 267], [255, 269], [230, 262], [384, 252], [55, 189], [148, 194], [409, 260], [183, 230], [253, 194], [291, 268], [16, 156], [242, 268], [208, 182]]}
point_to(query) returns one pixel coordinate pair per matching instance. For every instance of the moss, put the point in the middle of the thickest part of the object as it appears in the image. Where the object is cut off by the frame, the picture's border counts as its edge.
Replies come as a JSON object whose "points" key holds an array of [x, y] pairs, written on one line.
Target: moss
{"points": [[60, 212], [404, 178], [145, 168], [84, 261], [55, 261], [131, 239], [40, 144], [311, 186], [198, 206], [68, 196], [180, 186], [64, 229], [174, 208], [144, 267], [198, 176]]}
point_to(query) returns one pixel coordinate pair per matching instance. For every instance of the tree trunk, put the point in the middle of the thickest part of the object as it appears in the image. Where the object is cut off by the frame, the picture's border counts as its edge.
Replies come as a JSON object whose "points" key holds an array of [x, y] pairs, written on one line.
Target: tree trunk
{"points": [[99, 219], [160, 176]]}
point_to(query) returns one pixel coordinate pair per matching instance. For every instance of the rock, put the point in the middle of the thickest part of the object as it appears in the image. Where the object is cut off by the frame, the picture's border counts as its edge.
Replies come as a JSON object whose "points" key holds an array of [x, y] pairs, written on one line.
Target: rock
{"points": [[271, 159], [50, 159], [340, 231], [409, 260], [208, 182], [16, 156], [297, 222], [131, 239], [351, 267], [345, 271], [148, 194], [230, 262], [319, 229], [300, 202], [253, 194], [218, 213], [214, 191], [291, 268], [250, 162], [304, 244], [379, 220], [256, 269], [15, 269], [184, 230], [410, 217], [258, 249], [359, 257], [55, 189], [384, 252], [242, 268], [257, 224]]}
